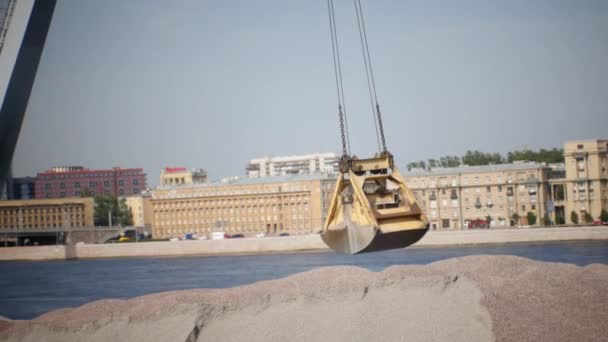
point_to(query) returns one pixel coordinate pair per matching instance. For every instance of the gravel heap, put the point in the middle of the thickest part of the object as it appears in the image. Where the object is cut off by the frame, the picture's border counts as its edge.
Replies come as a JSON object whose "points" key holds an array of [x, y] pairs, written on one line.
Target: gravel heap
{"points": [[474, 298]]}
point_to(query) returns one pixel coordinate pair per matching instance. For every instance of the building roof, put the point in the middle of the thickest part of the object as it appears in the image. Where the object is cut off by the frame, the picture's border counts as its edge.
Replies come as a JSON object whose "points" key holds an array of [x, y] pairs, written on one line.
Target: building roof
{"points": [[259, 180], [474, 169], [298, 157], [175, 169]]}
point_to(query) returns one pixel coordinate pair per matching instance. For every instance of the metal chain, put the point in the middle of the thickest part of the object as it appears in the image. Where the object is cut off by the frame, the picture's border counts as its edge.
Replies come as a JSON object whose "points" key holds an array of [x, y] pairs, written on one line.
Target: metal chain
{"points": [[338, 76], [342, 132], [381, 127]]}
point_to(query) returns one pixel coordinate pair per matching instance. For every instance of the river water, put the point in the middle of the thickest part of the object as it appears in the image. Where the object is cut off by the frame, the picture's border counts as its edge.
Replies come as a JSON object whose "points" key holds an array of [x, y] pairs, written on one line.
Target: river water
{"points": [[28, 289]]}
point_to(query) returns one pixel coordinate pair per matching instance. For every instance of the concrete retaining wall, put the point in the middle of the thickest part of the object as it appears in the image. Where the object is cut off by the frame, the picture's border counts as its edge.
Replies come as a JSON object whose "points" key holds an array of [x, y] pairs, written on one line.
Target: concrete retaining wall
{"points": [[292, 243]]}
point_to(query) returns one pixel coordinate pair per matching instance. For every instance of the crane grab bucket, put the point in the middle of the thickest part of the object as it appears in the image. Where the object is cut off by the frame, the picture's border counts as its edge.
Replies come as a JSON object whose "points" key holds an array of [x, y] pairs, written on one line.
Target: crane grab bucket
{"points": [[372, 209]]}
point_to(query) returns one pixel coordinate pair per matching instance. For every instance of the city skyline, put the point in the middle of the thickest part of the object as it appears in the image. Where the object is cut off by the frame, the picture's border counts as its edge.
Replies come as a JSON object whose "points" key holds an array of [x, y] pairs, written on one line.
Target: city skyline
{"points": [[221, 83]]}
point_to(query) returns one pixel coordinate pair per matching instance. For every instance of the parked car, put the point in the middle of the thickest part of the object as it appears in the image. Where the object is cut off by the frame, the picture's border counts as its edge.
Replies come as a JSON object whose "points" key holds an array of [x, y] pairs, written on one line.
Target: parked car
{"points": [[284, 234], [219, 236], [237, 236], [260, 235]]}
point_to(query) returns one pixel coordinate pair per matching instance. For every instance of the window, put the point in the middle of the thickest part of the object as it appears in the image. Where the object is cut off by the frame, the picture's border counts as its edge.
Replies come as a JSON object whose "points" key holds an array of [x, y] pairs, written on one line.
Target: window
{"points": [[77, 184], [580, 146], [500, 188], [135, 182], [121, 182], [488, 189], [62, 194], [91, 184], [62, 185], [135, 190], [106, 184], [523, 207], [47, 186], [121, 192]]}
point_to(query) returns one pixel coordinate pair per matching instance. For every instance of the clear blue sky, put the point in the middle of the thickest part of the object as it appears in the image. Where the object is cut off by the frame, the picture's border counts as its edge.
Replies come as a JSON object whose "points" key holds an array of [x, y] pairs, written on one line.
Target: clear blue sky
{"points": [[213, 84]]}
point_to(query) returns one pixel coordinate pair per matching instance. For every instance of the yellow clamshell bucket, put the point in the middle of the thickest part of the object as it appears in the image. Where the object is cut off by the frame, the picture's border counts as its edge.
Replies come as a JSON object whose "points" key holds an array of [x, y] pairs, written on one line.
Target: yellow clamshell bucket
{"points": [[372, 209]]}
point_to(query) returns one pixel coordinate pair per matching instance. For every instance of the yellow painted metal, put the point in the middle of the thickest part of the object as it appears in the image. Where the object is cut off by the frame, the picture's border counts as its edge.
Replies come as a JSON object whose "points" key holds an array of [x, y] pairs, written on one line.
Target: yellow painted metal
{"points": [[372, 208]]}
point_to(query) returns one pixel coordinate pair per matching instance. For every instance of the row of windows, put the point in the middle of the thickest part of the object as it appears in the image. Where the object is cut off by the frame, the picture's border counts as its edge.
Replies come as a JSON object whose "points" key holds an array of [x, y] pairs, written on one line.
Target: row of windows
{"points": [[444, 181], [121, 192], [38, 211], [230, 202], [256, 228], [92, 184], [90, 175], [232, 192], [489, 211]]}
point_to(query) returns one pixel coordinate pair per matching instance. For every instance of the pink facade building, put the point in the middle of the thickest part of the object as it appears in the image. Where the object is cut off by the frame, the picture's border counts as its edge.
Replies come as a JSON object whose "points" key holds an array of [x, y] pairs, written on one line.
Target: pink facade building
{"points": [[70, 181]]}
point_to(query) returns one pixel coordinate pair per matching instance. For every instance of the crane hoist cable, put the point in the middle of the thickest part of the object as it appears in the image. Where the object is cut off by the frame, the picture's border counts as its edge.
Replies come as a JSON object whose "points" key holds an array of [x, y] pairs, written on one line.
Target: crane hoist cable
{"points": [[370, 74], [366, 62], [339, 83]]}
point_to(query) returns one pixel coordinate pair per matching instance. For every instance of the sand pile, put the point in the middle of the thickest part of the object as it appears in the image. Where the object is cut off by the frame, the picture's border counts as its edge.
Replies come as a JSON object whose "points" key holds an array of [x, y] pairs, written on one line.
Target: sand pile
{"points": [[476, 298]]}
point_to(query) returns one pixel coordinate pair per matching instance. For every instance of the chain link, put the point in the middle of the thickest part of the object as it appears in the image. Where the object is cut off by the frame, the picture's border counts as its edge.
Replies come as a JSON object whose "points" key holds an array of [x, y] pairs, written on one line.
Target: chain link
{"points": [[381, 127], [342, 131]]}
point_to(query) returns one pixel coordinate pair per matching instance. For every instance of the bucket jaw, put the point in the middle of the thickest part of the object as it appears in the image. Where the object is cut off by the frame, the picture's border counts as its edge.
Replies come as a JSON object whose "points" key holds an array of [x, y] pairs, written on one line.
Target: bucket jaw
{"points": [[372, 209]]}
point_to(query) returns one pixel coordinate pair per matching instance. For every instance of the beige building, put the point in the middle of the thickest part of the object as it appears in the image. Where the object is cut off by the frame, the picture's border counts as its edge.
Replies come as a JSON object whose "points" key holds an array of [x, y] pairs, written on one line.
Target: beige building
{"points": [[295, 204], [141, 209], [170, 176], [584, 187], [453, 198], [47, 213], [460, 197]]}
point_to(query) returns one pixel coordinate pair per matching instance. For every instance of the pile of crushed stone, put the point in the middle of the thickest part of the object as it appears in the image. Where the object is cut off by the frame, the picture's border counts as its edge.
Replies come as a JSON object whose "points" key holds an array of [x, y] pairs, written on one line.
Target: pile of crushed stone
{"points": [[473, 298]]}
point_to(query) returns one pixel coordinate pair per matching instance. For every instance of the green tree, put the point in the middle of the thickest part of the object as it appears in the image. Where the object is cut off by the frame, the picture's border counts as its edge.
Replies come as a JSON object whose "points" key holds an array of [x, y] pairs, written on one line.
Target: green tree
{"points": [[474, 158], [416, 165], [86, 192], [604, 215], [542, 156], [488, 220], [106, 206], [515, 218], [531, 218], [587, 217], [574, 217], [559, 219], [547, 220]]}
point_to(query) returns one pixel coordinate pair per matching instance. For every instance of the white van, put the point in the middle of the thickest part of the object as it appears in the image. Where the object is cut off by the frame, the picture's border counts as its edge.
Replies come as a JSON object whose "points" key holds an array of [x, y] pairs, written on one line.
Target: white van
{"points": [[218, 235]]}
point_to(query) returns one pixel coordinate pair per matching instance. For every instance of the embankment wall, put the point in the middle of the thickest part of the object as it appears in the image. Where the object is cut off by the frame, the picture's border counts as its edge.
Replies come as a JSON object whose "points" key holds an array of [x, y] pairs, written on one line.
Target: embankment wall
{"points": [[291, 243]]}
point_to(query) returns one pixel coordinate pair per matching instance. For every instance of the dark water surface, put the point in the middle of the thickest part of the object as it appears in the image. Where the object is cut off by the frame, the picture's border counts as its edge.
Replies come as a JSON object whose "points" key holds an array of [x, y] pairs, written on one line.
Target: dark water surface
{"points": [[28, 289]]}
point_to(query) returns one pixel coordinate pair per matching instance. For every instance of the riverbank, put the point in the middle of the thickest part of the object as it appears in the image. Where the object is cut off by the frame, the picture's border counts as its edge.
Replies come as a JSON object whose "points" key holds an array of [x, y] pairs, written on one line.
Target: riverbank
{"points": [[474, 298], [293, 243]]}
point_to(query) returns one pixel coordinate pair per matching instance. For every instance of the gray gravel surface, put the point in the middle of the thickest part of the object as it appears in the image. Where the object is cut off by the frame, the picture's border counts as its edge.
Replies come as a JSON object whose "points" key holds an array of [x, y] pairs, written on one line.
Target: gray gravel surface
{"points": [[474, 298]]}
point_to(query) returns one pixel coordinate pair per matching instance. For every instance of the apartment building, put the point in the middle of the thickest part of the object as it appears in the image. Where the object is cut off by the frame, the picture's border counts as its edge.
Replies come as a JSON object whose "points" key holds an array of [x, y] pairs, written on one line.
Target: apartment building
{"points": [[461, 197], [141, 209], [295, 204], [583, 188], [67, 181], [46, 213], [170, 176], [290, 165]]}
